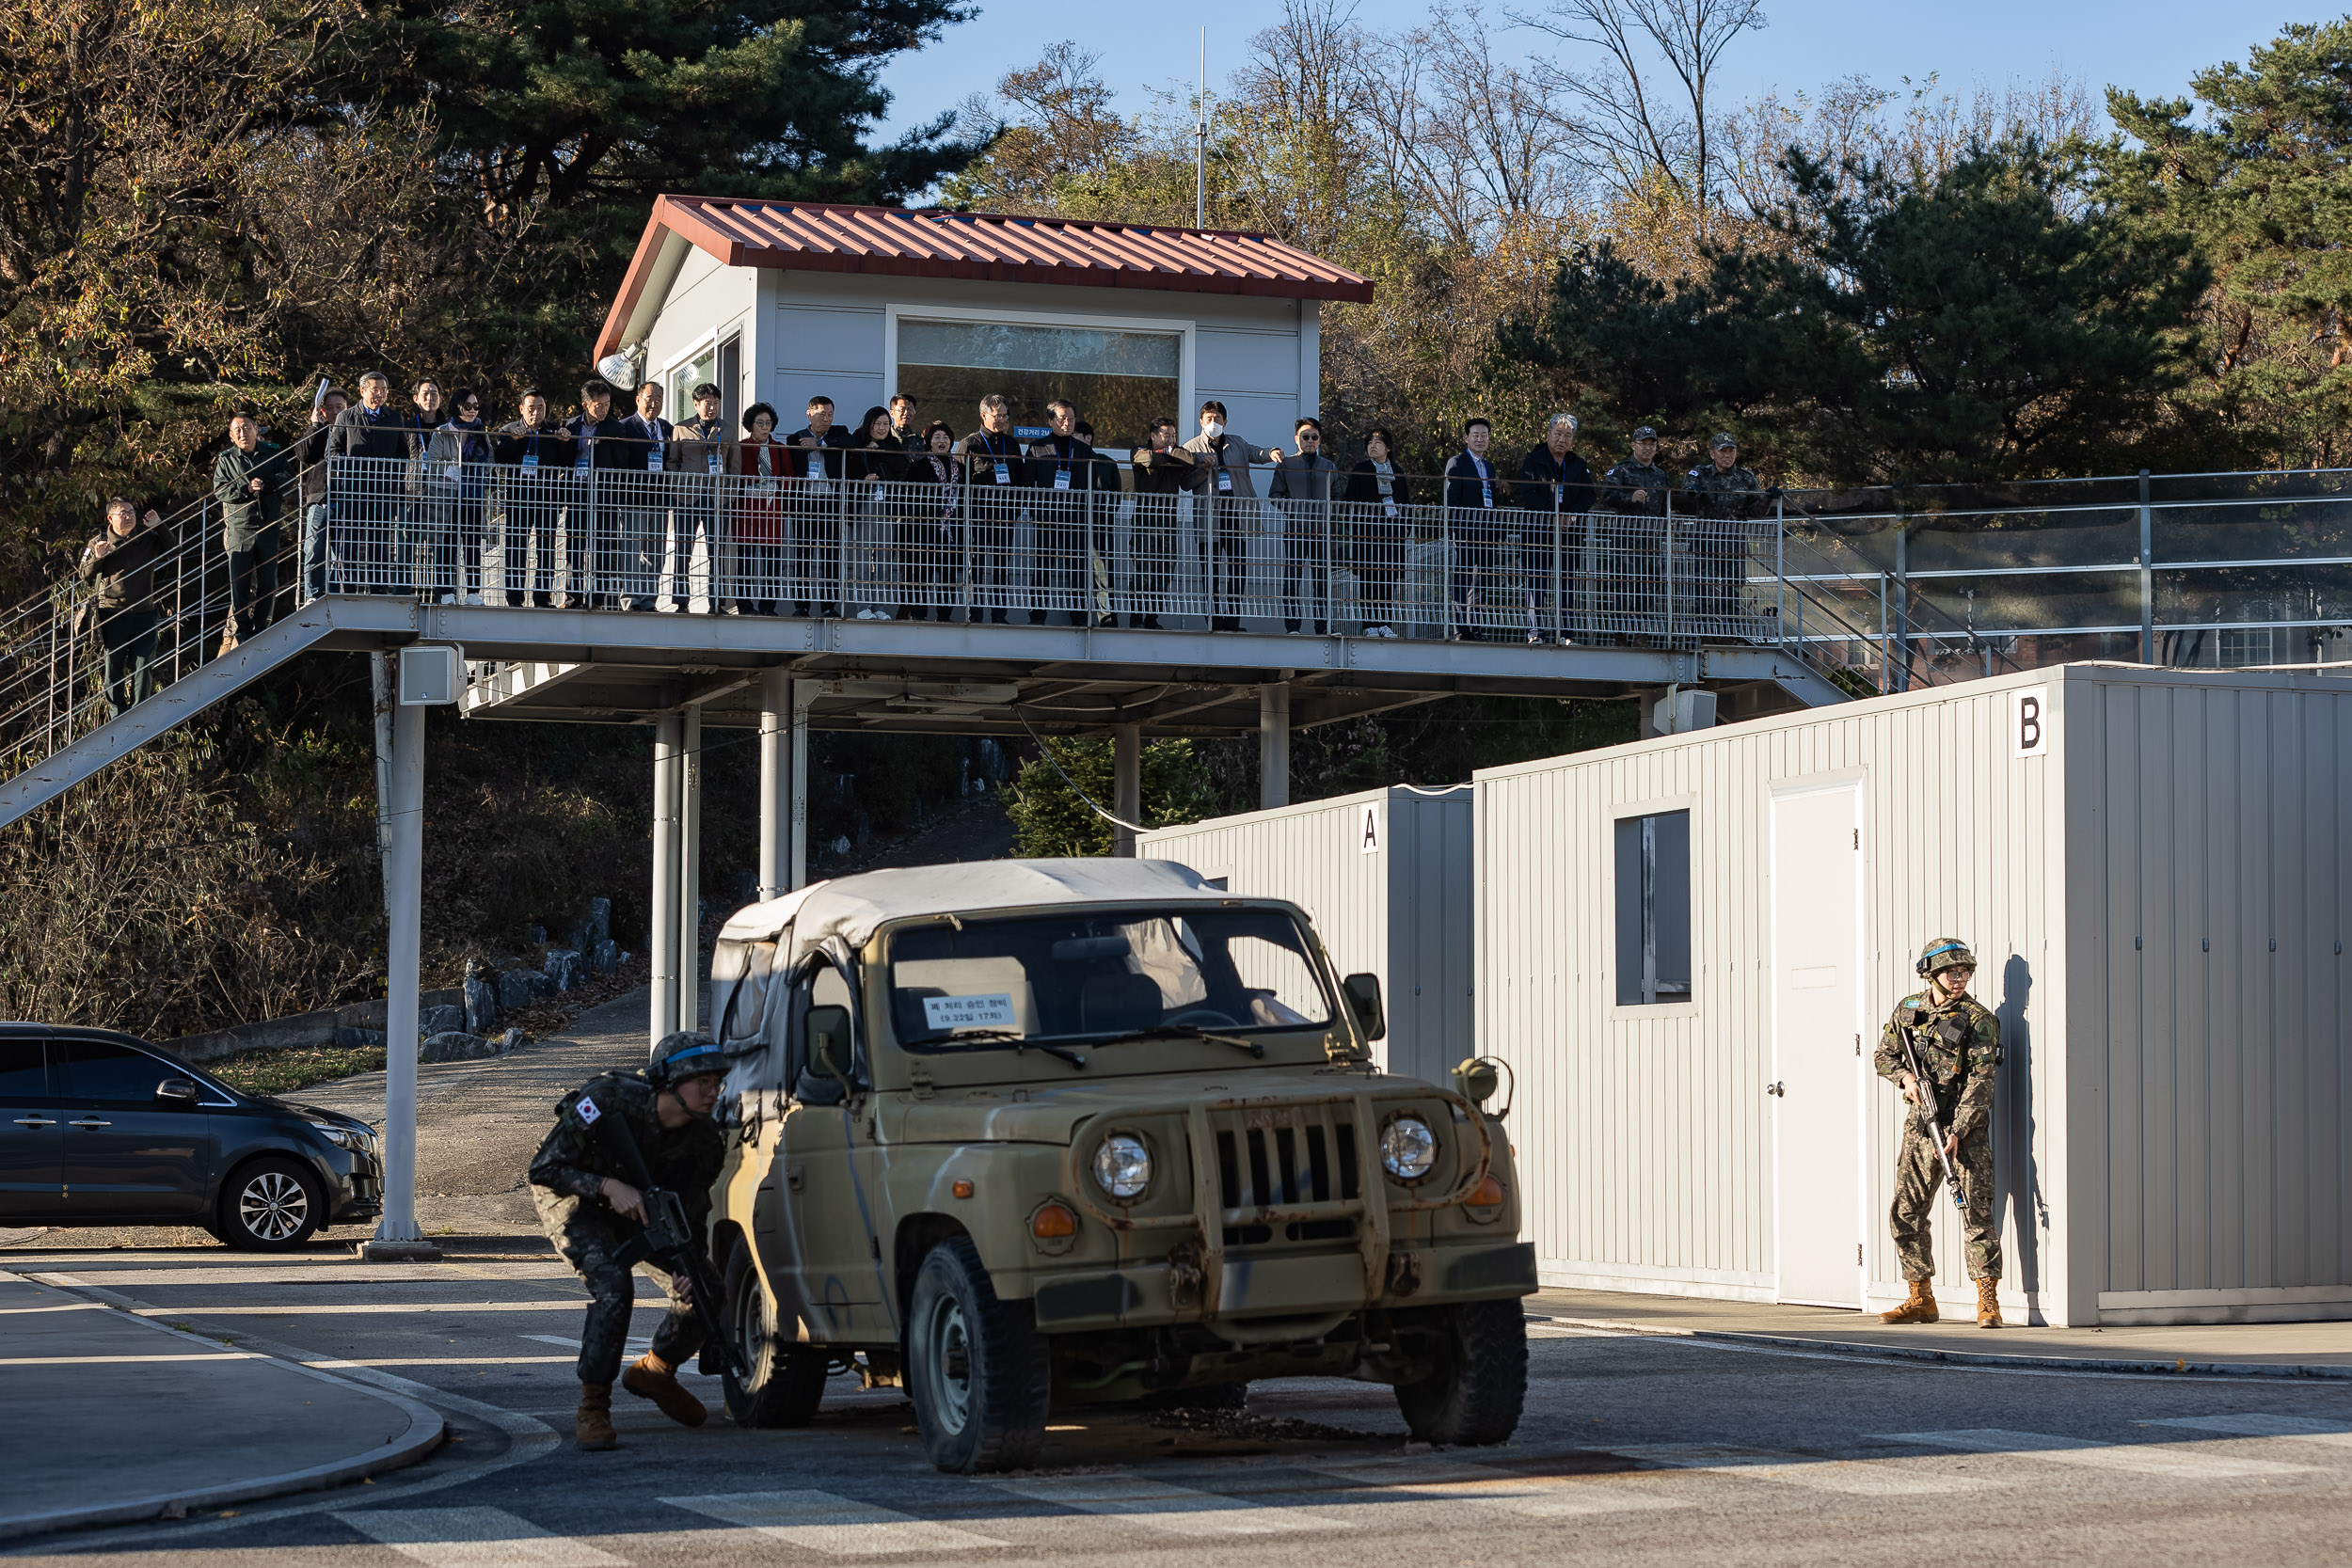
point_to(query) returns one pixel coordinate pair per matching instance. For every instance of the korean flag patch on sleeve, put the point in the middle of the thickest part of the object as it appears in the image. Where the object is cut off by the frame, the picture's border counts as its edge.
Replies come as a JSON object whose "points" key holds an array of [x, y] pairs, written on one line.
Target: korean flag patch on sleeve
{"points": [[588, 1112]]}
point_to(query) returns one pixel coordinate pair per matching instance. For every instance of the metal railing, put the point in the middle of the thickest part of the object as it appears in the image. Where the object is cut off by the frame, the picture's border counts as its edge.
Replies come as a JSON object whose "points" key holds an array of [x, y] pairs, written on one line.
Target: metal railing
{"points": [[704, 542]]}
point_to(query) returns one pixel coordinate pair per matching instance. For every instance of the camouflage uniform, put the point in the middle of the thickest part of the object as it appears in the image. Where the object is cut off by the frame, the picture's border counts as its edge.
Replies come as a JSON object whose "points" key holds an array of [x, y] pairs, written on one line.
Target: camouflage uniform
{"points": [[1722, 498], [1959, 1045], [1629, 541], [567, 1181]]}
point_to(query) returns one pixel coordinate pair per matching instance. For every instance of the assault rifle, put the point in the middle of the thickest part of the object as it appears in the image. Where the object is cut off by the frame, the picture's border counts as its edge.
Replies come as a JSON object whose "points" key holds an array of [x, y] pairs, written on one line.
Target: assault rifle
{"points": [[668, 1238], [1927, 1114]]}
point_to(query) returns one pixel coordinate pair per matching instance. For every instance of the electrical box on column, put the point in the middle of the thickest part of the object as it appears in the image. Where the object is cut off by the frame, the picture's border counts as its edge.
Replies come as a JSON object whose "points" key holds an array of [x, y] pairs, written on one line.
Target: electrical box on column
{"points": [[431, 676]]}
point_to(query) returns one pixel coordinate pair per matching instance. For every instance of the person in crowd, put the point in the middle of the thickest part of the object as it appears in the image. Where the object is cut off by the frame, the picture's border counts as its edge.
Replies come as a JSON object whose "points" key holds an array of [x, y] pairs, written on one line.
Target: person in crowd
{"points": [[820, 457], [1163, 471], [423, 542], [121, 569], [702, 452], [1233, 520], [1378, 533], [993, 472], [1555, 493], [638, 515], [1302, 489], [372, 499], [594, 557], [1062, 468], [1725, 495], [457, 471], [930, 525], [540, 452], [875, 466], [1103, 494], [310, 456], [1475, 506], [766, 467], [1633, 531], [248, 481], [904, 425]]}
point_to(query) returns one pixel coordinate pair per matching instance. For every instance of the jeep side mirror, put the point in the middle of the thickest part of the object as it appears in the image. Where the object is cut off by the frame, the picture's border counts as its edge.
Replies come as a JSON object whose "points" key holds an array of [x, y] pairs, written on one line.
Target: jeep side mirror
{"points": [[1363, 998], [829, 1042], [176, 1091]]}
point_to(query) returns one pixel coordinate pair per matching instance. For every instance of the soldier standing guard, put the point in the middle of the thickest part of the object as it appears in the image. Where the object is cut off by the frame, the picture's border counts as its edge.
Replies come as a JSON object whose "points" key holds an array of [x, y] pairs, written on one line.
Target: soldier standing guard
{"points": [[589, 1210], [1958, 1043], [1633, 534], [1727, 495]]}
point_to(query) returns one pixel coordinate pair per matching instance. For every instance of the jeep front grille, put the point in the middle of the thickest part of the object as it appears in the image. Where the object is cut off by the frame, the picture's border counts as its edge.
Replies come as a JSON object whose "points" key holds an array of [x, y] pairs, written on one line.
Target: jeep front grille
{"points": [[1294, 1159]]}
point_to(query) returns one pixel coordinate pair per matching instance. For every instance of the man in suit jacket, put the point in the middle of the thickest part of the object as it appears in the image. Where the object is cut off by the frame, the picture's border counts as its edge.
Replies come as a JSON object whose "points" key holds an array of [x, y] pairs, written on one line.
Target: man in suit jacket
{"points": [[1233, 519], [1302, 491]]}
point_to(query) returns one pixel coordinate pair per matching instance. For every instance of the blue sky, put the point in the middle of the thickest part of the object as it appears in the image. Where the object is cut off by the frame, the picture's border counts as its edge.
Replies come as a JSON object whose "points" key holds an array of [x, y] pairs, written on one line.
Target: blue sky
{"points": [[2152, 47]]}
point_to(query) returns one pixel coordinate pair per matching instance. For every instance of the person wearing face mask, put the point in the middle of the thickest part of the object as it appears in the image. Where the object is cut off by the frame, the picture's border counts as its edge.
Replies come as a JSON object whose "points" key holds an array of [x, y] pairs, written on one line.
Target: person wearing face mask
{"points": [[1555, 493], [701, 453], [457, 467], [1632, 532], [1378, 531], [1475, 505], [994, 474], [1233, 519]]}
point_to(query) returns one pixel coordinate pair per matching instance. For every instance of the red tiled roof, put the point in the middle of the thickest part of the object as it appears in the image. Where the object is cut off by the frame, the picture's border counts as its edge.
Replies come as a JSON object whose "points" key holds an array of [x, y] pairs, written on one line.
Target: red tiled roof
{"points": [[895, 242]]}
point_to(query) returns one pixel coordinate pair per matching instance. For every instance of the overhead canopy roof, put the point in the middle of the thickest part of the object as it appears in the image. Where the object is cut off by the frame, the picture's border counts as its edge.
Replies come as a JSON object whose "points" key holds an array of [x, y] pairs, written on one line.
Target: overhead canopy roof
{"points": [[896, 242], [853, 908]]}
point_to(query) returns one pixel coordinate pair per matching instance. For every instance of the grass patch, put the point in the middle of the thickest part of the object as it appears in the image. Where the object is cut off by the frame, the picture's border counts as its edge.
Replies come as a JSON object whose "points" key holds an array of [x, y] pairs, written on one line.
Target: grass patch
{"points": [[292, 1067]]}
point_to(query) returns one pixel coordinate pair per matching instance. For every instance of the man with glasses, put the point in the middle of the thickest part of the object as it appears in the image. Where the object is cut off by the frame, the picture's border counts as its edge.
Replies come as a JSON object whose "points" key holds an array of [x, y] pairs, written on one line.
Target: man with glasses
{"points": [[1062, 468], [1955, 1043], [1301, 492], [535, 454], [703, 453]]}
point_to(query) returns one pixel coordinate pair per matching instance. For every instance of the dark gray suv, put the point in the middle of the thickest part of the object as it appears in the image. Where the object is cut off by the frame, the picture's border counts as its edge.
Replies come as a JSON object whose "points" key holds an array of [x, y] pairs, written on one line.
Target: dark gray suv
{"points": [[98, 1128]]}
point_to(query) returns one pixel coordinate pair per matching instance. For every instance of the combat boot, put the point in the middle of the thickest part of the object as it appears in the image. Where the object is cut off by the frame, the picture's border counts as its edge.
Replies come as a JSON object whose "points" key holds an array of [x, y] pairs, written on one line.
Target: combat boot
{"points": [[1918, 1307], [651, 1378], [593, 1429], [1988, 1303]]}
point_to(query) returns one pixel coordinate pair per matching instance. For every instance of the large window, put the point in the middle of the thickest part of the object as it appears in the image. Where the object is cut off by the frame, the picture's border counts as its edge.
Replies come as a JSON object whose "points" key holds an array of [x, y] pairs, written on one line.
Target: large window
{"points": [[1120, 381], [1654, 909]]}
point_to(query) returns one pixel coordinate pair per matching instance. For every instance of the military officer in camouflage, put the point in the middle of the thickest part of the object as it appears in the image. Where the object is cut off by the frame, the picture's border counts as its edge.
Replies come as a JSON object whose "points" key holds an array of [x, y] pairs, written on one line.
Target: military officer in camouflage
{"points": [[1958, 1041], [1632, 495], [1723, 494], [589, 1210]]}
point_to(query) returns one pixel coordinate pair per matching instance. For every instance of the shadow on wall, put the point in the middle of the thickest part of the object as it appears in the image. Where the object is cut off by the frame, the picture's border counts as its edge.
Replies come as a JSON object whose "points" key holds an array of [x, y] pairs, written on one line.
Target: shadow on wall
{"points": [[2013, 1148]]}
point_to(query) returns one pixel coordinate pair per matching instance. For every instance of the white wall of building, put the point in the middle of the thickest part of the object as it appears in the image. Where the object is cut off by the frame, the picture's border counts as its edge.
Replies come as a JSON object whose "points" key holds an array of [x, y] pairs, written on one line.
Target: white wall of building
{"points": [[2169, 1121]]}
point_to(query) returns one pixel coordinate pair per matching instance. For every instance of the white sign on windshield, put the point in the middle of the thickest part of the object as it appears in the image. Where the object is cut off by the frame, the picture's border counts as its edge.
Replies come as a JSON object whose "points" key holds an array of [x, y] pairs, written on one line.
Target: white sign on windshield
{"points": [[970, 1012]]}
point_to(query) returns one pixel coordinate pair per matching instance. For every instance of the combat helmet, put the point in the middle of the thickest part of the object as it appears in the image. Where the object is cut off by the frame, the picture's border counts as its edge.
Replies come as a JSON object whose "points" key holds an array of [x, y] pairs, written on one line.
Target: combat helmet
{"points": [[682, 1054], [1945, 953]]}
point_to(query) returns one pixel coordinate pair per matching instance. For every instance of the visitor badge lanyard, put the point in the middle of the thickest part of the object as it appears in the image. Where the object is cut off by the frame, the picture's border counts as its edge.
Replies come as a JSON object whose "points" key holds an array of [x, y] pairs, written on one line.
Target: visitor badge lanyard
{"points": [[1061, 471], [653, 451], [1224, 477], [1004, 469], [1485, 483], [579, 464], [530, 451]]}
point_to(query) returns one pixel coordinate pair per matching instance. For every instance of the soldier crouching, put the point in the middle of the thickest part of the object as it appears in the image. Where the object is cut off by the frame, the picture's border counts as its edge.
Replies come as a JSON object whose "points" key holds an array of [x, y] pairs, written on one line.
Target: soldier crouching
{"points": [[589, 1211], [1956, 1042]]}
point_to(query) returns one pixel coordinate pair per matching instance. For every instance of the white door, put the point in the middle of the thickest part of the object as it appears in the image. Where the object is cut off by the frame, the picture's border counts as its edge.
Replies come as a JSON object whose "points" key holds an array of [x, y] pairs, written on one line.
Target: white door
{"points": [[1817, 1070]]}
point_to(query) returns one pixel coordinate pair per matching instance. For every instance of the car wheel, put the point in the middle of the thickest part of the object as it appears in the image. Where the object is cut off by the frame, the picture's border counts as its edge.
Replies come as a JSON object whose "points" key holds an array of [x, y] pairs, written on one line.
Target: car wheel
{"points": [[270, 1205], [783, 1382], [976, 1366], [1481, 1384]]}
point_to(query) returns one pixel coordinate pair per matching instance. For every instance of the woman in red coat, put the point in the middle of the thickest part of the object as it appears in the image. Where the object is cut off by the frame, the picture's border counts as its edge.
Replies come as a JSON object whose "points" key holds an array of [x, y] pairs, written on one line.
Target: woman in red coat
{"points": [[766, 467]]}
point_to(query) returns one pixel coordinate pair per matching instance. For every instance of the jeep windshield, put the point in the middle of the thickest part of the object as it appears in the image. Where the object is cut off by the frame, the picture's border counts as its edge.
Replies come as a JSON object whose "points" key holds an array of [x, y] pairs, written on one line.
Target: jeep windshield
{"points": [[1094, 976]]}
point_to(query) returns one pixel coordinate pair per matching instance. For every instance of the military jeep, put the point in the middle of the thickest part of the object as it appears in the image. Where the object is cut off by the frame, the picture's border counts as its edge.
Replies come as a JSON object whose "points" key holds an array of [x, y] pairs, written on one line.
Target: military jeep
{"points": [[1033, 1134]]}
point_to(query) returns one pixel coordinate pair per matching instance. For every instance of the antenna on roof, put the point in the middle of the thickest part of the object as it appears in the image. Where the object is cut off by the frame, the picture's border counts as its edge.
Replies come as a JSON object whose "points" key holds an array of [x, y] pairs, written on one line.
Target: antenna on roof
{"points": [[1200, 141]]}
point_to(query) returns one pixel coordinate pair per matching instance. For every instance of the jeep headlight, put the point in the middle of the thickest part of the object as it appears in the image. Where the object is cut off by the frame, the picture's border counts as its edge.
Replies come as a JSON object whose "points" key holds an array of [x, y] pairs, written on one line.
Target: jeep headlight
{"points": [[1408, 1147], [1123, 1166]]}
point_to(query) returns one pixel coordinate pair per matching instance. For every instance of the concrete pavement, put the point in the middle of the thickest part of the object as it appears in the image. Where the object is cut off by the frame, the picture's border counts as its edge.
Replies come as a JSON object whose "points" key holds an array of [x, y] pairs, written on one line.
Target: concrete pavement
{"points": [[106, 1417], [2316, 1350]]}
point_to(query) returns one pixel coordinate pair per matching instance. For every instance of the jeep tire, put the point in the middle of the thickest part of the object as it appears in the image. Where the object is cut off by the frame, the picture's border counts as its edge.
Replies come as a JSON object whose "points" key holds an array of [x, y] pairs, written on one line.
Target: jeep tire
{"points": [[976, 1366], [783, 1381], [1480, 1387]]}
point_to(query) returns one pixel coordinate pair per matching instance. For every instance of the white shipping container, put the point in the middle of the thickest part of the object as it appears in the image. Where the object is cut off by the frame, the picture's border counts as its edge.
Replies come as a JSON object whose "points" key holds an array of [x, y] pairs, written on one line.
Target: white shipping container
{"points": [[1686, 947], [1386, 875]]}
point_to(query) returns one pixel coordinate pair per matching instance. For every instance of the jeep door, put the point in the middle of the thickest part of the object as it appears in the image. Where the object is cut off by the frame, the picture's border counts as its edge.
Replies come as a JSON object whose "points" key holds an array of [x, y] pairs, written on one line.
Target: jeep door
{"points": [[829, 1249]]}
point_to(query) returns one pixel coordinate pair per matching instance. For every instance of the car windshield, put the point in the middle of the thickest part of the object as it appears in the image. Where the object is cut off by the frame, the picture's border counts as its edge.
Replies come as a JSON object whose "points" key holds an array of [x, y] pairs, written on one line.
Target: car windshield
{"points": [[1094, 973]]}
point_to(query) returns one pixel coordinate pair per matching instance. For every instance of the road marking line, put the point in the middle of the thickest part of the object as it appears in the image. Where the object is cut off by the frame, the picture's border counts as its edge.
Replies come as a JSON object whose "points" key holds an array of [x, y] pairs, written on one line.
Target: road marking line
{"points": [[119, 1360], [825, 1522], [69, 1306], [634, 1342], [1448, 1480], [2251, 1425], [1857, 1478], [1177, 1509], [474, 1538], [2155, 1458]]}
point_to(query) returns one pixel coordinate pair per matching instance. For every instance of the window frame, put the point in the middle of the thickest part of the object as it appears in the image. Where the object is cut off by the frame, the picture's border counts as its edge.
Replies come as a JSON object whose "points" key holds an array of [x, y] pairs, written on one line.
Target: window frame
{"points": [[1183, 328], [1623, 811]]}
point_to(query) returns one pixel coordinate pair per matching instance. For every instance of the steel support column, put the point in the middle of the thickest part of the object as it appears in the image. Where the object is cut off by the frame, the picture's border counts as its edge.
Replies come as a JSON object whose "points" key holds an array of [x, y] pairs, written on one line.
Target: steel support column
{"points": [[663, 940], [803, 695], [396, 1232], [1126, 785], [690, 868], [1274, 745], [775, 782]]}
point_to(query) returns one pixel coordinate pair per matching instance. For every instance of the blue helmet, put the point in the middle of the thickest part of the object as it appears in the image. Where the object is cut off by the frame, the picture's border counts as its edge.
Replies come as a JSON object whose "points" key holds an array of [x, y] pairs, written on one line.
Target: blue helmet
{"points": [[682, 1055], [1945, 953]]}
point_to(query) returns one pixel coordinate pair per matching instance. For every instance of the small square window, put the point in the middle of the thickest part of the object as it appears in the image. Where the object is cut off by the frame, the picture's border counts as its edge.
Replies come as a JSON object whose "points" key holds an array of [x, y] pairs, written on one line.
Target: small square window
{"points": [[1653, 909]]}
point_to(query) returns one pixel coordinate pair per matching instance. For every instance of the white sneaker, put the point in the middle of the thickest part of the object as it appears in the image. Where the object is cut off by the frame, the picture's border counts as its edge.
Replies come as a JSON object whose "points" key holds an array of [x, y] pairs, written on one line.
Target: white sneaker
{"points": [[449, 599]]}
